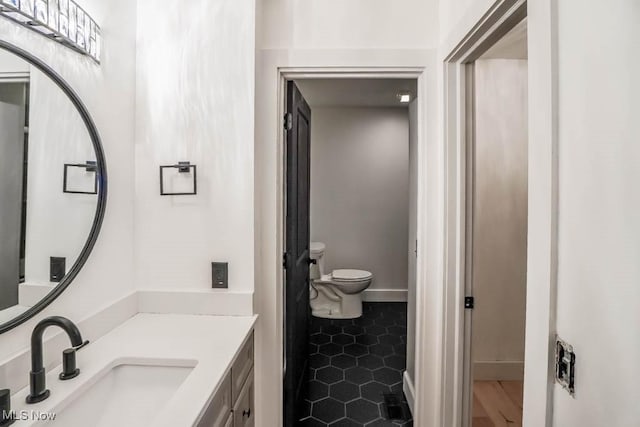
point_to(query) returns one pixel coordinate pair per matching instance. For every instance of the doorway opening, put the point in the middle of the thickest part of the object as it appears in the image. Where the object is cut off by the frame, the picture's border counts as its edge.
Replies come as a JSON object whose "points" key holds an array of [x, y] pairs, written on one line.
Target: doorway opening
{"points": [[496, 230], [14, 155], [351, 215], [487, 220]]}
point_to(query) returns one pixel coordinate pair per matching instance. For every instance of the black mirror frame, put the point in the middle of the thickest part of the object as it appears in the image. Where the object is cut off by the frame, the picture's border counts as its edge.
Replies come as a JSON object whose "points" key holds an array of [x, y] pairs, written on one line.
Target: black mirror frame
{"points": [[102, 187]]}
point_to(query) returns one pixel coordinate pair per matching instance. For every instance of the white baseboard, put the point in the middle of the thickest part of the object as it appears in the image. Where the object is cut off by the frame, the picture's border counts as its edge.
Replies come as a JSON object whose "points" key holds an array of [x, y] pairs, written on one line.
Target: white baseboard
{"points": [[498, 370], [409, 390], [385, 295]]}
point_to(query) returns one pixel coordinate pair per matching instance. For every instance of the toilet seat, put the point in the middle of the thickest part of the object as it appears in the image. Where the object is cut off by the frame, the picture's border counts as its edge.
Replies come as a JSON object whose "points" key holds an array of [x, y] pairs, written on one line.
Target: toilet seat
{"points": [[349, 275]]}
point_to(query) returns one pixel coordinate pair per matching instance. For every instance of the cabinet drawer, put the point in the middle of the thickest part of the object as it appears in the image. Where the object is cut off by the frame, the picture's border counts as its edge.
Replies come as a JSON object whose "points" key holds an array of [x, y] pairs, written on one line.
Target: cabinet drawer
{"points": [[243, 413], [217, 414], [241, 367]]}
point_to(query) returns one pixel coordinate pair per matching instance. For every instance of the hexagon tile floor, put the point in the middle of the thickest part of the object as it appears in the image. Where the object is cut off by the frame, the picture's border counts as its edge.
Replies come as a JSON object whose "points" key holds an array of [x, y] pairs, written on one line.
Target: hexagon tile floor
{"points": [[352, 363]]}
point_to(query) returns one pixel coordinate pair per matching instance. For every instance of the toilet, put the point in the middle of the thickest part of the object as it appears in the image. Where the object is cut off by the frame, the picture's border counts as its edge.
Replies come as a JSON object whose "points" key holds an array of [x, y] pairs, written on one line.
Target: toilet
{"points": [[337, 295]]}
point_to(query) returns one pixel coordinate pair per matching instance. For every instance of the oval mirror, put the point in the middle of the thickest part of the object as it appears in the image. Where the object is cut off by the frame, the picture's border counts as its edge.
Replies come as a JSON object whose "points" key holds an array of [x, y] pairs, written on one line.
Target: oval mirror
{"points": [[52, 185]]}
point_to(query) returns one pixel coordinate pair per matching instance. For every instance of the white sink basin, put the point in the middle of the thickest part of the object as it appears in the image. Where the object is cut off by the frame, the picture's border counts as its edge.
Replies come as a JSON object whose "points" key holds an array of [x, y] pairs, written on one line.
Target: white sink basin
{"points": [[124, 394]]}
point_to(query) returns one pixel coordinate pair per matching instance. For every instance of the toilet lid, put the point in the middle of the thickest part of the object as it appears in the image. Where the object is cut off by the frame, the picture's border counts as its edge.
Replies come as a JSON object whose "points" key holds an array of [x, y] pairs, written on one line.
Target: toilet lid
{"points": [[346, 275]]}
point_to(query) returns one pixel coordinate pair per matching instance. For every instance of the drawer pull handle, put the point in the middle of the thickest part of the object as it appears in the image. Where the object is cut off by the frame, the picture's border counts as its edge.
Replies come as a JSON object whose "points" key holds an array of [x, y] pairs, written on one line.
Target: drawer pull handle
{"points": [[246, 413]]}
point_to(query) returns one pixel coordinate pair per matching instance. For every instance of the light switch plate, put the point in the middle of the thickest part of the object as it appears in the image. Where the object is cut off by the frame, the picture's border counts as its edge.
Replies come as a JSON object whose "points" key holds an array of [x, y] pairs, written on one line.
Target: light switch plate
{"points": [[220, 275], [57, 269]]}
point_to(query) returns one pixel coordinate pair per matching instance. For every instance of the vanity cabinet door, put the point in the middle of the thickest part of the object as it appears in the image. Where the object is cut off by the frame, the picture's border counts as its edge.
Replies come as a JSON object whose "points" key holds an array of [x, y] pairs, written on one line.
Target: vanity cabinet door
{"points": [[217, 414], [243, 413], [229, 422], [241, 367]]}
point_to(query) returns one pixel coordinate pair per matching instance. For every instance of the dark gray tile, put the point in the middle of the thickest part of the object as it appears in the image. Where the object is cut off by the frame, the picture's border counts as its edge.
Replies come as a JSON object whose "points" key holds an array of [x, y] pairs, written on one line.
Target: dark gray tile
{"points": [[310, 422], [386, 376], [375, 329], [367, 339], [318, 361], [343, 361], [390, 339], [329, 375], [373, 391], [343, 339], [330, 349], [344, 391], [362, 411], [345, 422], [344, 353], [395, 361], [319, 338], [378, 349], [328, 410], [370, 361], [386, 321], [355, 350], [358, 375], [353, 330], [400, 349], [317, 390], [397, 330], [331, 329], [306, 409]]}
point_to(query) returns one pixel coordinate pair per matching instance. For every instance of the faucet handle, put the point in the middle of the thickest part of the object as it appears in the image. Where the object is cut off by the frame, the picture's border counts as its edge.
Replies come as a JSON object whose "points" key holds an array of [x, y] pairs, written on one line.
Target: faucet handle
{"points": [[69, 366], [84, 344]]}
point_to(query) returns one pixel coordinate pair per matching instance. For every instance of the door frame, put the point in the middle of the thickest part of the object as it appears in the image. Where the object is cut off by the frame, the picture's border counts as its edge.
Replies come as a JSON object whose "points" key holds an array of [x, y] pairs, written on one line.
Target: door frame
{"points": [[419, 73], [542, 208]]}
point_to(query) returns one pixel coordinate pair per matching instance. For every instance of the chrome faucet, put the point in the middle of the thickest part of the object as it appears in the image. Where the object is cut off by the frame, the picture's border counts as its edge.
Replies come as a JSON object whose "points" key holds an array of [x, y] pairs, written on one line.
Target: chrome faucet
{"points": [[38, 387]]}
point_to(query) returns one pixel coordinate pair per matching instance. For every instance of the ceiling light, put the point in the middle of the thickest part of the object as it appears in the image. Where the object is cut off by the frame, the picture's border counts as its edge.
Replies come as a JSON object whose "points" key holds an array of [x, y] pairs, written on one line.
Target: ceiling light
{"points": [[404, 97]]}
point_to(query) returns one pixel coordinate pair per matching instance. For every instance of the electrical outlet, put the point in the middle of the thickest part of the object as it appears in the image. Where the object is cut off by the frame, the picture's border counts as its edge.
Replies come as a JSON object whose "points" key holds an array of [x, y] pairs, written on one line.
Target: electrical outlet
{"points": [[57, 269], [220, 275], [565, 366]]}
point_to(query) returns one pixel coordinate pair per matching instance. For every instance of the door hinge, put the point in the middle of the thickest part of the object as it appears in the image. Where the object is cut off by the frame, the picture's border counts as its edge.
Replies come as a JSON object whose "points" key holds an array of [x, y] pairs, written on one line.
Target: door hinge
{"points": [[288, 121], [469, 302], [284, 260]]}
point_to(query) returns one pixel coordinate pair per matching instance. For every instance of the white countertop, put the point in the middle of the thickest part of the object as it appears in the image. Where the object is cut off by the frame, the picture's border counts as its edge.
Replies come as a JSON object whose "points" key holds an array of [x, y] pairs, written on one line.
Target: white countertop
{"points": [[210, 341]]}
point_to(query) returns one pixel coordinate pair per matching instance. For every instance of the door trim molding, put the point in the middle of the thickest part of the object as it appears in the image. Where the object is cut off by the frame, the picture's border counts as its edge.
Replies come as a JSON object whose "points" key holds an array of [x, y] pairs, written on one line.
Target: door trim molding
{"points": [[277, 65], [542, 210]]}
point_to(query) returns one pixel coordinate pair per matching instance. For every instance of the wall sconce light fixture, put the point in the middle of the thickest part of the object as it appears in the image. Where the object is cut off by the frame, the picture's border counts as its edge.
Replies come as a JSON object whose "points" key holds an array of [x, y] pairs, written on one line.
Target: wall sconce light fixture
{"points": [[61, 20]]}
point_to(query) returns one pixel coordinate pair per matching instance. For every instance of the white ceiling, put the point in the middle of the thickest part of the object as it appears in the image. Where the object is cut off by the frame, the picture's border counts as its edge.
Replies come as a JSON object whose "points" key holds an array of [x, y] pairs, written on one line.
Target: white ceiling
{"points": [[512, 46], [356, 92]]}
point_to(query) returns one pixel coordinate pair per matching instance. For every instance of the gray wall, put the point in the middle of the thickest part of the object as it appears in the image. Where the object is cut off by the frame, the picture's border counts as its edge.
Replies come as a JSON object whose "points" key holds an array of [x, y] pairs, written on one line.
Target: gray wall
{"points": [[500, 218], [360, 190], [12, 109]]}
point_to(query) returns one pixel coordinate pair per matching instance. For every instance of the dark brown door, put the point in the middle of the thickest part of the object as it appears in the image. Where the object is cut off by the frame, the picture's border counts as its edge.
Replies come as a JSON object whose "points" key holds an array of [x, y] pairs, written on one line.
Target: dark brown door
{"points": [[297, 256]]}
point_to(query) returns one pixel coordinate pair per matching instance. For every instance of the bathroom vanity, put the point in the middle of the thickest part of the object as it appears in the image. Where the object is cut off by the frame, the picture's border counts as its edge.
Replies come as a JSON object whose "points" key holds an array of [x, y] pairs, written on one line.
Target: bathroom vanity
{"points": [[156, 370]]}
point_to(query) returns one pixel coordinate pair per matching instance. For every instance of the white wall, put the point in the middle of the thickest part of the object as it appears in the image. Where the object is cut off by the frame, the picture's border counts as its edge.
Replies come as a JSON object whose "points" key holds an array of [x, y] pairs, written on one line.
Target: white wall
{"points": [[57, 223], [499, 218], [107, 92], [195, 102], [361, 24], [360, 191], [598, 228]]}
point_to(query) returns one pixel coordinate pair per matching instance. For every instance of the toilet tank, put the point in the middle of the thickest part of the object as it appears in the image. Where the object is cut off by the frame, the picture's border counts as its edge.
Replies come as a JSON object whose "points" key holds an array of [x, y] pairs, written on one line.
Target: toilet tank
{"points": [[317, 253]]}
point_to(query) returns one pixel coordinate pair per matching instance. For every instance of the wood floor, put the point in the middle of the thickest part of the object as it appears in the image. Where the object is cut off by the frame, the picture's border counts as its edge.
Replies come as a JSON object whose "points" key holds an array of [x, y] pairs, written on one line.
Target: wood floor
{"points": [[497, 403]]}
